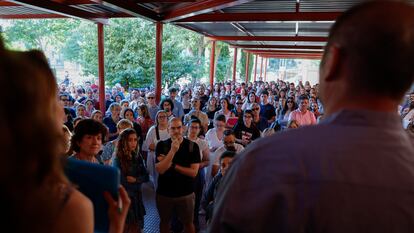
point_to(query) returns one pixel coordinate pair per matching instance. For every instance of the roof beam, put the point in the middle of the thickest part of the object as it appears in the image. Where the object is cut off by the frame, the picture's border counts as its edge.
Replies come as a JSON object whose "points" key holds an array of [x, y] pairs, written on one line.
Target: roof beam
{"points": [[4, 3], [282, 51], [33, 16], [260, 17], [130, 7], [269, 38], [200, 7], [276, 47], [75, 2], [294, 56], [164, 1], [60, 9]]}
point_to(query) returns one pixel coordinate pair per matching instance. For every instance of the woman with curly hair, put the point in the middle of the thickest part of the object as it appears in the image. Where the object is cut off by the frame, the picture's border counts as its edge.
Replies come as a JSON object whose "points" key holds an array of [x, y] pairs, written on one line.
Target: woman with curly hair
{"points": [[133, 174]]}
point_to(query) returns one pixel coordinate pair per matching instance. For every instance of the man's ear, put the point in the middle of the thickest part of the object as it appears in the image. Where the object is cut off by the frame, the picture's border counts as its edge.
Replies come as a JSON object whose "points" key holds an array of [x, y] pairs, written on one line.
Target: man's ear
{"points": [[330, 68]]}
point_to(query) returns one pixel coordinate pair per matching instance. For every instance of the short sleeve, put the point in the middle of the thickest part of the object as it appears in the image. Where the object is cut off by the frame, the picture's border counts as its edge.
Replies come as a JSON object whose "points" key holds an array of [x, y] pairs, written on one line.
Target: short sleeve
{"points": [[196, 158]]}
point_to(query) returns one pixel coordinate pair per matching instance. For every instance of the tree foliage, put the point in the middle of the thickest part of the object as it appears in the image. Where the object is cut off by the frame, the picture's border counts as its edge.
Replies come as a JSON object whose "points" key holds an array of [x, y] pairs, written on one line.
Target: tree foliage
{"points": [[129, 49], [242, 67]]}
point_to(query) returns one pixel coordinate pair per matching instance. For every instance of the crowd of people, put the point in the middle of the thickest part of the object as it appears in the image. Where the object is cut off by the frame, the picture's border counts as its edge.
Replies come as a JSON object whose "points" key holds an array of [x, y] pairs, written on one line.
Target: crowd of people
{"points": [[197, 150], [222, 122]]}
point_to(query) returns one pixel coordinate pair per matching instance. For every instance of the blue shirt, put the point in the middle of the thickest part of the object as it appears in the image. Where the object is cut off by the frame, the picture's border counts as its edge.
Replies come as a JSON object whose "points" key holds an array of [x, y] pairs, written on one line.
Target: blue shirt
{"points": [[354, 172], [178, 110], [109, 122]]}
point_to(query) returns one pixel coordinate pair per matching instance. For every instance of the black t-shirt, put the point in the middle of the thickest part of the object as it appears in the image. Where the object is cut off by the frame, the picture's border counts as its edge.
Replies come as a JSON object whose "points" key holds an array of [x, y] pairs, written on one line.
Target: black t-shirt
{"points": [[242, 132], [267, 111], [173, 183]]}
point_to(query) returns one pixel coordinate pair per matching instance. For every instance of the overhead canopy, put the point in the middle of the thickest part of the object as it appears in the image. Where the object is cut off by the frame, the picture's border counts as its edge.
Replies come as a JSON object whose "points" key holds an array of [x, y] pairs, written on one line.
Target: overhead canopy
{"points": [[295, 28]]}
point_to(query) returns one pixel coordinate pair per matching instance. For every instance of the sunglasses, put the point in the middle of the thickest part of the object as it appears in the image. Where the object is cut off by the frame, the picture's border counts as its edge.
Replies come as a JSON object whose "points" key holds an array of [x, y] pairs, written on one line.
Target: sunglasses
{"points": [[255, 109], [150, 97], [289, 101], [239, 103]]}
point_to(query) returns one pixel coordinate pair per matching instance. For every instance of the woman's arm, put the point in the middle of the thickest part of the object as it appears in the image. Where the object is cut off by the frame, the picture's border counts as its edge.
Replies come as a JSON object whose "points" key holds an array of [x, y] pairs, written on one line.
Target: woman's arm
{"points": [[76, 215]]}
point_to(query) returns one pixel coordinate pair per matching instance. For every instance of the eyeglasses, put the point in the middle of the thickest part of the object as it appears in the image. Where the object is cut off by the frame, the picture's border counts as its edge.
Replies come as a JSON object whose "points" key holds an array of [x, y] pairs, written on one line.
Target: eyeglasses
{"points": [[150, 97], [162, 117], [255, 109], [64, 99], [239, 103], [289, 101]]}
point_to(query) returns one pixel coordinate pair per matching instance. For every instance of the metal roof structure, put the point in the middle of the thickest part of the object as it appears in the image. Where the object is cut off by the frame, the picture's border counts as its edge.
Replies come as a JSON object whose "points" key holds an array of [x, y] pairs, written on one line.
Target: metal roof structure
{"points": [[266, 28], [263, 27]]}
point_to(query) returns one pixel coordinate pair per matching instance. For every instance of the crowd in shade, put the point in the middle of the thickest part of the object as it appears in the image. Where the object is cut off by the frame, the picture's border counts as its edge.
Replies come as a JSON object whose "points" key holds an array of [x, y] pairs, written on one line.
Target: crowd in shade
{"points": [[222, 122]]}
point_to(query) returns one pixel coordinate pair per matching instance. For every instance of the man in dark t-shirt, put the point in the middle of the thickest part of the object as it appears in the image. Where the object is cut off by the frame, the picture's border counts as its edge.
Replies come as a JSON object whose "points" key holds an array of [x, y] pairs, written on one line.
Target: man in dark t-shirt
{"points": [[177, 164], [266, 109]]}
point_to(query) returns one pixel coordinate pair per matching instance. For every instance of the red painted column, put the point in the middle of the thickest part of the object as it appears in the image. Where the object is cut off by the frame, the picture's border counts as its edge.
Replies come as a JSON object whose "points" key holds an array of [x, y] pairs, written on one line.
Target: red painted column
{"points": [[234, 64], [247, 67], [158, 61], [212, 61], [261, 69], [265, 69], [255, 68], [101, 67]]}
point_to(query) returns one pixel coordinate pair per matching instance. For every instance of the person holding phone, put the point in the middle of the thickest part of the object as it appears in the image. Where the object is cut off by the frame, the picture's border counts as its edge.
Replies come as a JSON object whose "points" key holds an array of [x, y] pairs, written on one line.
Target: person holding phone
{"points": [[37, 196]]}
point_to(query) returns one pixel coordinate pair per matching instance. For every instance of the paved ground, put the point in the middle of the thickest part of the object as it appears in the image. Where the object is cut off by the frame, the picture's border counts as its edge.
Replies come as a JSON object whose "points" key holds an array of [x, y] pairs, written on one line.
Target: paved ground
{"points": [[151, 218]]}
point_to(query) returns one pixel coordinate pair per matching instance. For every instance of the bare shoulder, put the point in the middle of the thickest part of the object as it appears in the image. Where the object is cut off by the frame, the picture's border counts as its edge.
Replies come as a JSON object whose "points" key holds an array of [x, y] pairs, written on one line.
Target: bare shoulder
{"points": [[76, 215]]}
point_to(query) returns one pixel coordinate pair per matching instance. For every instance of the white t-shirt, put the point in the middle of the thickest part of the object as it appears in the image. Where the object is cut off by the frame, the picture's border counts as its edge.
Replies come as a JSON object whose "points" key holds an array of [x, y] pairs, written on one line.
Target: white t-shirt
{"points": [[152, 137], [212, 139]]}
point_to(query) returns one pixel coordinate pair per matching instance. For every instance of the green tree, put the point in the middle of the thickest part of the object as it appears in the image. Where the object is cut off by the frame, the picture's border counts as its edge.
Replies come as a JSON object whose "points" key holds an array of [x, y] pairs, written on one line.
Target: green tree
{"points": [[129, 48], [40, 34], [242, 66]]}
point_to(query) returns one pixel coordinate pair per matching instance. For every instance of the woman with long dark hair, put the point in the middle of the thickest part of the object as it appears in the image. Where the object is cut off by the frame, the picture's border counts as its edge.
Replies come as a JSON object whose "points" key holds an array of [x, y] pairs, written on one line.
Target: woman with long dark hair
{"points": [[133, 175], [225, 109], [37, 196], [289, 107]]}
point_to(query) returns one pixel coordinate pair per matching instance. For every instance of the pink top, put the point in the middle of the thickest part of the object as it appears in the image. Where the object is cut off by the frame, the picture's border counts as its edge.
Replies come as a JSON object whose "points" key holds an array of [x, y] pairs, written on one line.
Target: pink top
{"points": [[307, 118]]}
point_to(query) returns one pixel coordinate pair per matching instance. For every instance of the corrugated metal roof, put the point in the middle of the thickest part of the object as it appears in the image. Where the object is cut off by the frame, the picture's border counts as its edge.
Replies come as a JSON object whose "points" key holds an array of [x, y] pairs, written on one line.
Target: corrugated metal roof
{"points": [[20, 10], [326, 6], [314, 29], [270, 29], [96, 8], [264, 6], [218, 29], [179, 10]]}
